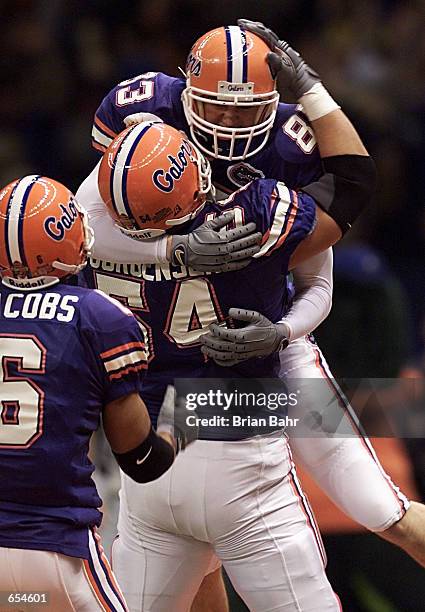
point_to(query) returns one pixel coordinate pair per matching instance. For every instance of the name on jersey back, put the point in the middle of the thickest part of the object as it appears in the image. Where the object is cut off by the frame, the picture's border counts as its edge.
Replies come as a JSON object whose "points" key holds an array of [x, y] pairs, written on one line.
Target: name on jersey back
{"points": [[46, 305], [149, 272]]}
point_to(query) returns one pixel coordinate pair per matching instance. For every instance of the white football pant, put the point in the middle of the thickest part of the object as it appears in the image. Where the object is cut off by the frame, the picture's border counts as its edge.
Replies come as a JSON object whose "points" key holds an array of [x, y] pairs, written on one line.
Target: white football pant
{"points": [[238, 500], [72, 584], [343, 463]]}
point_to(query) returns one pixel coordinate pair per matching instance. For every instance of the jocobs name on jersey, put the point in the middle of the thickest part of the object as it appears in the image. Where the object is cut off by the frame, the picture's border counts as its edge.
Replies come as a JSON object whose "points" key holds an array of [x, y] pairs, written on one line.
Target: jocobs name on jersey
{"points": [[46, 305]]}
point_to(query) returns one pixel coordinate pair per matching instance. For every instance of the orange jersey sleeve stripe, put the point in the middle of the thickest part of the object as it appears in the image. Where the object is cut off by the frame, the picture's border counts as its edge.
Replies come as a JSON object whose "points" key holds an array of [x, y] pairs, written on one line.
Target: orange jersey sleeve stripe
{"points": [[98, 146], [132, 368], [104, 127], [121, 348]]}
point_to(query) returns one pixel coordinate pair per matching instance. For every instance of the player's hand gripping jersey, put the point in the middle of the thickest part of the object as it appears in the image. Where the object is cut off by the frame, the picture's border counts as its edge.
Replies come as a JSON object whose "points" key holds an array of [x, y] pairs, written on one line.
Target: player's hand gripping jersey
{"points": [[290, 153], [175, 305], [94, 348]]}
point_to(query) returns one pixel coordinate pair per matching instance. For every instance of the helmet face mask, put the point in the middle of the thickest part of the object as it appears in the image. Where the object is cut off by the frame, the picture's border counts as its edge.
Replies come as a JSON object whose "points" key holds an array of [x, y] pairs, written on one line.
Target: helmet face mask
{"points": [[152, 179], [45, 231], [227, 68]]}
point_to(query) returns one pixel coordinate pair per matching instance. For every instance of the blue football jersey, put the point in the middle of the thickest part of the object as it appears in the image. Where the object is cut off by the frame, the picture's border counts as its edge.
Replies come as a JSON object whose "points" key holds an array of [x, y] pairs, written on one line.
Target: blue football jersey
{"points": [[65, 352], [175, 304], [290, 155]]}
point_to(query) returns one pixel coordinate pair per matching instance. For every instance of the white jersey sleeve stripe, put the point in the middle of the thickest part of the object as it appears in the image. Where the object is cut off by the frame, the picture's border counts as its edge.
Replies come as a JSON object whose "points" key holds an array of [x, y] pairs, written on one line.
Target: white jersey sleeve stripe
{"points": [[100, 138], [133, 358], [277, 228]]}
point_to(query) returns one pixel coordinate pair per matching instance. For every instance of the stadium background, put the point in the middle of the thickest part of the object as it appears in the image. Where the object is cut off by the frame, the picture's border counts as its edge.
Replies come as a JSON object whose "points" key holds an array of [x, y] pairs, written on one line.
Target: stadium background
{"points": [[60, 57]]}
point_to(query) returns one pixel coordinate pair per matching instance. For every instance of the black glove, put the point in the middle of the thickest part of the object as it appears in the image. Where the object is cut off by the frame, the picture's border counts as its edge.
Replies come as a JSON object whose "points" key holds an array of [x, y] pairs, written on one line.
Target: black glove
{"points": [[172, 420], [259, 338], [207, 250], [285, 63]]}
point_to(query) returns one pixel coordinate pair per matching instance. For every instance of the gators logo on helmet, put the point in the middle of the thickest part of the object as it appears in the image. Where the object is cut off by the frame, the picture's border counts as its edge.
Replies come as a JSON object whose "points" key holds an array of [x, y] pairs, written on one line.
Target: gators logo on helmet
{"points": [[152, 178], [44, 231]]}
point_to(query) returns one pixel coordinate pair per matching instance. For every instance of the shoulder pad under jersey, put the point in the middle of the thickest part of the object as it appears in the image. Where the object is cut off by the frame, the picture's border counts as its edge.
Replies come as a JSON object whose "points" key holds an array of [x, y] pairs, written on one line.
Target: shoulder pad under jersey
{"points": [[293, 136], [152, 93]]}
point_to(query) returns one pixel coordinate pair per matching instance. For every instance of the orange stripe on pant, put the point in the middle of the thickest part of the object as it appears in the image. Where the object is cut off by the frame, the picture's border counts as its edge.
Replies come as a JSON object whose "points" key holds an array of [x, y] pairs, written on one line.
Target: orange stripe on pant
{"points": [[92, 581], [108, 568]]}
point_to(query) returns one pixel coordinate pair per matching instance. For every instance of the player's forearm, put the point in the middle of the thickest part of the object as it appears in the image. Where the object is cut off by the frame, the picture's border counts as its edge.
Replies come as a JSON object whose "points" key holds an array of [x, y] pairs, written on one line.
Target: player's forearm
{"points": [[110, 243], [334, 132], [313, 298], [149, 460], [139, 451], [336, 135], [349, 178]]}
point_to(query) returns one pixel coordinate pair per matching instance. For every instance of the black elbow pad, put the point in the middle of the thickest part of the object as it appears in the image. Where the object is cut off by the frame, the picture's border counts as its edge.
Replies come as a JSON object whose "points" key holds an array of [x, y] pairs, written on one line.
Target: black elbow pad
{"points": [[345, 189], [148, 461]]}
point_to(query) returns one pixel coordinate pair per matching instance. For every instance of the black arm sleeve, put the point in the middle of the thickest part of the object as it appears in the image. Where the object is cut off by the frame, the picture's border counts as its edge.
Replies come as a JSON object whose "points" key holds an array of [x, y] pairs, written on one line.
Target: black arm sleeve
{"points": [[345, 189], [148, 461]]}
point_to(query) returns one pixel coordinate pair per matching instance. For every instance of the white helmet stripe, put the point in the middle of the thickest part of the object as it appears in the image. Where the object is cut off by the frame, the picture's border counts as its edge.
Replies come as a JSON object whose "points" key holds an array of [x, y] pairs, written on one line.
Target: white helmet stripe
{"points": [[237, 38], [14, 230], [120, 169]]}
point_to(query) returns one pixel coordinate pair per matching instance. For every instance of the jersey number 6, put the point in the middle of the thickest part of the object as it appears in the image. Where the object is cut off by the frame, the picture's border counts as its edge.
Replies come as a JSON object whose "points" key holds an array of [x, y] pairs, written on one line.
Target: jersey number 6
{"points": [[21, 400]]}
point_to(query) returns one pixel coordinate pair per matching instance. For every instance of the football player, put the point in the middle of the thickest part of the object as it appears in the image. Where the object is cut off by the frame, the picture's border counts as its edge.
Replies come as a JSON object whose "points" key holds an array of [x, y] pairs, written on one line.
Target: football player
{"points": [[234, 498], [225, 121], [67, 356]]}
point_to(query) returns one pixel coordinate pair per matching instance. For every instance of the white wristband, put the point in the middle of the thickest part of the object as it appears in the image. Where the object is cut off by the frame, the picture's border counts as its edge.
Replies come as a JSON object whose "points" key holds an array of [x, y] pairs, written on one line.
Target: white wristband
{"points": [[317, 102]]}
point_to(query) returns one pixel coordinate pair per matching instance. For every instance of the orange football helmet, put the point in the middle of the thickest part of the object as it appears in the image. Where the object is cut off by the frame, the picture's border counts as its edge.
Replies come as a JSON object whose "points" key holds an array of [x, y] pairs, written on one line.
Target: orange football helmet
{"points": [[152, 178], [228, 67], [45, 232]]}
